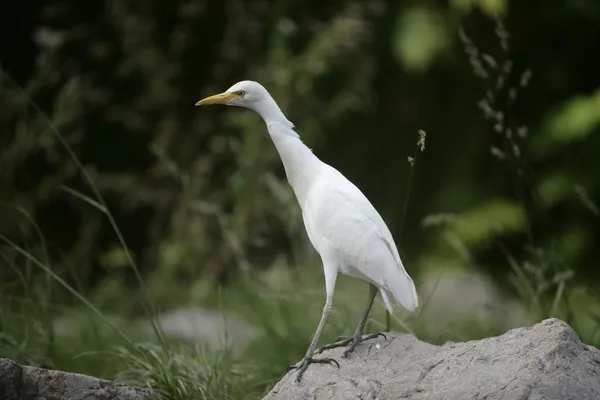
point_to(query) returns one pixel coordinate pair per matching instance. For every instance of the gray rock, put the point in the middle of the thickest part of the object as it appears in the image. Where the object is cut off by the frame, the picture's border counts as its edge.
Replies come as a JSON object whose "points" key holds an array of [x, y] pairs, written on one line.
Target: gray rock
{"points": [[546, 361], [456, 297], [29, 383], [216, 328]]}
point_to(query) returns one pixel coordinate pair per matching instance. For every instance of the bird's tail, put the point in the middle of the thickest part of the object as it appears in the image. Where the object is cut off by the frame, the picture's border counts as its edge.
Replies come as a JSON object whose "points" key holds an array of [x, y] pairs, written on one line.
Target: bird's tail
{"points": [[402, 288]]}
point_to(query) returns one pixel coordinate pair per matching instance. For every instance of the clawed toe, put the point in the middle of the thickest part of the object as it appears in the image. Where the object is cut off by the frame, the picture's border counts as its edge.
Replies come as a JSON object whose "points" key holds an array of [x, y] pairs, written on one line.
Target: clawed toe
{"points": [[350, 341], [306, 361], [325, 361], [291, 367], [361, 339], [374, 336], [345, 341]]}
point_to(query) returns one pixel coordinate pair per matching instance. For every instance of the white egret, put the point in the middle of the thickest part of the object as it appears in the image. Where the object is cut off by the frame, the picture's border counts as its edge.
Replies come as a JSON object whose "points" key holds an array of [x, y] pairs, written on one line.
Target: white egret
{"points": [[342, 225]]}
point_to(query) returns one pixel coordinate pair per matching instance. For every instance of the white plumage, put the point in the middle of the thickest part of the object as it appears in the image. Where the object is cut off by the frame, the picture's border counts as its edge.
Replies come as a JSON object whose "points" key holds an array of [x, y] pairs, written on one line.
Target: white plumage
{"points": [[341, 223]]}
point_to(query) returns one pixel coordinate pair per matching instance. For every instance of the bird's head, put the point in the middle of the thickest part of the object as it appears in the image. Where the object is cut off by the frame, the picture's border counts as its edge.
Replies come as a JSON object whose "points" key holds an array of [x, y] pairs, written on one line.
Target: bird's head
{"points": [[247, 94], [252, 95]]}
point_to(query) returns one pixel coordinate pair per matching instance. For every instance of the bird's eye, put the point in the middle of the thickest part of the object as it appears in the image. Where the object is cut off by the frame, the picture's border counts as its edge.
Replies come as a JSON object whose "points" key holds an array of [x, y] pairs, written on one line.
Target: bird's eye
{"points": [[241, 93]]}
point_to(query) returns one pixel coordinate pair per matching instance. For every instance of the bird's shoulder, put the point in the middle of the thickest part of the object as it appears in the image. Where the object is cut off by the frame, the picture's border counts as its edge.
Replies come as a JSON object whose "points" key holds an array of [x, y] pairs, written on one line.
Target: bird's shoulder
{"points": [[333, 188], [334, 199], [339, 214]]}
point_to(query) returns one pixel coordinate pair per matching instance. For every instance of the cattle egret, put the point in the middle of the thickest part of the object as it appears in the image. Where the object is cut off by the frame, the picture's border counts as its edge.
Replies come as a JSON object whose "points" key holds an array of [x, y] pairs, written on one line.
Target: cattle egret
{"points": [[342, 225]]}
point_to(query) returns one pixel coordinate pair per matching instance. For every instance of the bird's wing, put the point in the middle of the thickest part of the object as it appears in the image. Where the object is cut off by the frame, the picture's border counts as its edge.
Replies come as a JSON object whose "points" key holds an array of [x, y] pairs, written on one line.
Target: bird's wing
{"points": [[341, 216]]}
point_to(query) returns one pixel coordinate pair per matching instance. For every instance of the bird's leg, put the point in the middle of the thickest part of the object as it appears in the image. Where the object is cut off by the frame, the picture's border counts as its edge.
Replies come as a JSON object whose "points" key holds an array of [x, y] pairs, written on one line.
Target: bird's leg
{"points": [[352, 341], [308, 358], [330, 278]]}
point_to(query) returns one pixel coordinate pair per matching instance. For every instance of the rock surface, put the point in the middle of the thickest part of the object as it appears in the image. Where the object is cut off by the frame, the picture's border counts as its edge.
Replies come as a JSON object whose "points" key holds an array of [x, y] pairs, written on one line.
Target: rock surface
{"points": [[216, 328], [459, 296], [546, 361], [29, 383]]}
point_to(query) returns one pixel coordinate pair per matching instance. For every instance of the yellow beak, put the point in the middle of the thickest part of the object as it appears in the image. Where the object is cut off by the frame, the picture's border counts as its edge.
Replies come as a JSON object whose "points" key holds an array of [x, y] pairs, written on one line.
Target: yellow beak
{"points": [[217, 99]]}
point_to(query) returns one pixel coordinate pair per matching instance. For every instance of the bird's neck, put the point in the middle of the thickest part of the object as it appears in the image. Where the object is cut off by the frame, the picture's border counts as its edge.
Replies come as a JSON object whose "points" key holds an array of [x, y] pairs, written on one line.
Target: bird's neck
{"points": [[301, 165], [270, 112]]}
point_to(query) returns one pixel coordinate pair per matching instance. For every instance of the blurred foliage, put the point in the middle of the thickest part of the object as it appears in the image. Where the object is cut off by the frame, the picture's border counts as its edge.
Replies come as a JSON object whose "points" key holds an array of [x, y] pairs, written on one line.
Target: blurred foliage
{"points": [[508, 92], [202, 193]]}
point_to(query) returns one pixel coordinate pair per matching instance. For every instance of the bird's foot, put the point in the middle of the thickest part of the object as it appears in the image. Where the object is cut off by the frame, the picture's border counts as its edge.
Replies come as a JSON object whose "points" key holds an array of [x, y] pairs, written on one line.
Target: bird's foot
{"points": [[306, 361], [350, 341]]}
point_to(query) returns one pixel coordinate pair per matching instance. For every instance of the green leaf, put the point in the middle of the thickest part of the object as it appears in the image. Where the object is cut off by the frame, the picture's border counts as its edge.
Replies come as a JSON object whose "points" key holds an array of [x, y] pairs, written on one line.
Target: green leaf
{"points": [[574, 121], [482, 223], [421, 37], [489, 7], [554, 188]]}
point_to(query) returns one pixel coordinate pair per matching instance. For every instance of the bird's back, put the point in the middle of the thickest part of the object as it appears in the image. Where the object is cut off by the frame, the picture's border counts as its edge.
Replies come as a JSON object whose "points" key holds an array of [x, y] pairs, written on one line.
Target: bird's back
{"points": [[339, 217]]}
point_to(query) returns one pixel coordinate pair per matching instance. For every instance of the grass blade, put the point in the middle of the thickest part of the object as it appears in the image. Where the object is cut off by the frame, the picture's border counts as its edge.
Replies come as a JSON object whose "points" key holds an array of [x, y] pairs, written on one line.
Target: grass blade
{"points": [[63, 283]]}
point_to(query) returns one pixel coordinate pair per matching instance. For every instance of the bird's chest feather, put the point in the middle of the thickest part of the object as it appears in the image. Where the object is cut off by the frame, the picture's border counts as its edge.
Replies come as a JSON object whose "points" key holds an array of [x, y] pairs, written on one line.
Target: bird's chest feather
{"points": [[334, 225]]}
